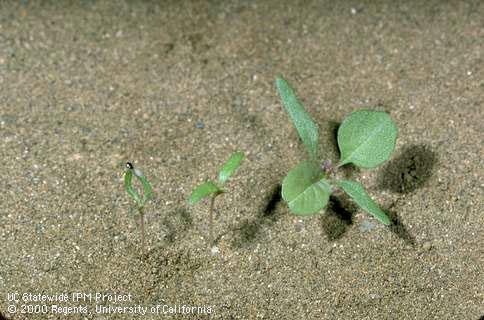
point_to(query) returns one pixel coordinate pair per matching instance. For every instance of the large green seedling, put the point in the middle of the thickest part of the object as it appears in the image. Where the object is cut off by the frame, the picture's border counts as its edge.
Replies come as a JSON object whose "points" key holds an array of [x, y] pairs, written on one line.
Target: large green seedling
{"points": [[140, 201], [366, 139], [212, 190]]}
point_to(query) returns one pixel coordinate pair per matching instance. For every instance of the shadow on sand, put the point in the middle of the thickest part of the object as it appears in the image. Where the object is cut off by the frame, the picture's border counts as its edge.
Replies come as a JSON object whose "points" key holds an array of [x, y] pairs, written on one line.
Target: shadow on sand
{"points": [[248, 230]]}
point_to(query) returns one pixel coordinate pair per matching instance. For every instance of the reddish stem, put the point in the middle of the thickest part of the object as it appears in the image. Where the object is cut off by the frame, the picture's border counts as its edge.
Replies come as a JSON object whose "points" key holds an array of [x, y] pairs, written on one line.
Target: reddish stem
{"points": [[212, 202], [142, 225]]}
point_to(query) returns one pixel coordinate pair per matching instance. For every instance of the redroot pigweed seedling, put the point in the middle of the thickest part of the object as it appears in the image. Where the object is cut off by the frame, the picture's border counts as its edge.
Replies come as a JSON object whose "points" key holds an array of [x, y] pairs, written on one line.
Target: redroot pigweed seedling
{"points": [[365, 138], [211, 189], [140, 201]]}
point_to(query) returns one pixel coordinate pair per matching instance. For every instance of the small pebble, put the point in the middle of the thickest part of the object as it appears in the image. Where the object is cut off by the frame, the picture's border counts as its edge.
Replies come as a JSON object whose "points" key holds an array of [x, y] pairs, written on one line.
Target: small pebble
{"points": [[238, 103], [366, 226], [215, 250], [7, 119], [375, 296], [199, 125], [427, 246]]}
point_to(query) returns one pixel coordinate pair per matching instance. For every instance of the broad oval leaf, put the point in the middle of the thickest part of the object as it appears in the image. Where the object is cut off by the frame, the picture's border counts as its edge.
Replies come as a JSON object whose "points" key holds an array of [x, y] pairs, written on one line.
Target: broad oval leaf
{"points": [[366, 138], [230, 166], [202, 191], [305, 126], [305, 190], [356, 191]]}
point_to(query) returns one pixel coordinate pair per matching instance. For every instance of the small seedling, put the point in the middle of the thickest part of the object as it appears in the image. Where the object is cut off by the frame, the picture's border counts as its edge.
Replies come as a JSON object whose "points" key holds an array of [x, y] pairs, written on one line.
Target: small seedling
{"points": [[366, 139], [140, 201], [212, 190]]}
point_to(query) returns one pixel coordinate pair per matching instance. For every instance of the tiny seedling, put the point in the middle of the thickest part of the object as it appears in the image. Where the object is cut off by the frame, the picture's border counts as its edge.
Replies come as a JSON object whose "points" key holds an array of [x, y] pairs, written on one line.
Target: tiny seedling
{"points": [[212, 190], [366, 139], [140, 201]]}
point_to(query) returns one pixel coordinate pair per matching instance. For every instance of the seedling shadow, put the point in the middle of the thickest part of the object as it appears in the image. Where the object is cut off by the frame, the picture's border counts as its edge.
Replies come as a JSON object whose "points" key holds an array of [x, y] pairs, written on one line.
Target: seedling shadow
{"points": [[169, 264], [399, 229], [176, 223], [409, 170], [338, 217], [248, 230], [274, 199], [2, 317], [333, 134]]}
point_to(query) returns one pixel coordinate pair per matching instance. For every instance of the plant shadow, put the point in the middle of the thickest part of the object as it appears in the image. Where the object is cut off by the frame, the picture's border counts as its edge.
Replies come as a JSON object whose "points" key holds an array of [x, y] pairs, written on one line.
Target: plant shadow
{"points": [[175, 223], [249, 230], [2, 317], [333, 127], [338, 217], [399, 229], [409, 170]]}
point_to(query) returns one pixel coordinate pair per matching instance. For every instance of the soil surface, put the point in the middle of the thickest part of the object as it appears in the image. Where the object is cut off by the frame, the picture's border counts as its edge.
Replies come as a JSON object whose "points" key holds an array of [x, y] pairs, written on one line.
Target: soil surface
{"points": [[175, 87]]}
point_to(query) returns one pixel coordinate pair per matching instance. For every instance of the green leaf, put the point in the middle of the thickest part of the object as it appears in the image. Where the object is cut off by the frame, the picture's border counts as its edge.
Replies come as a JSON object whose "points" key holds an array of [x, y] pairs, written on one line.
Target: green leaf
{"points": [[366, 138], [230, 166], [147, 190], [305, 126], [128, 185], [305, 190], [202, 191], [356, 191]]}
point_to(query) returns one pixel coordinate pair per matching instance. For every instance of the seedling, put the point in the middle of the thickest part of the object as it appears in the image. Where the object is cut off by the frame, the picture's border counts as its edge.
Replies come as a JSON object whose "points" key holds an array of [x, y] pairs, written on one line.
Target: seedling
{"points": [[366, 139], [212, 190], [140, 201]]}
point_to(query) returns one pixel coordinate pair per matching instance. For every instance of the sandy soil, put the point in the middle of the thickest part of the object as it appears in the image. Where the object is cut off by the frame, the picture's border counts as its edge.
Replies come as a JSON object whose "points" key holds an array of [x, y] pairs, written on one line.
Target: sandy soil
{"points": [[175, 88]]}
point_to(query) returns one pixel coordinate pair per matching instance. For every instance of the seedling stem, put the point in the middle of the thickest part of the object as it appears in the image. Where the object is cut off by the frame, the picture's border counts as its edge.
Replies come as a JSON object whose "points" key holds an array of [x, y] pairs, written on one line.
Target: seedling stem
{"points": [[212, 190], [142, 225], [140, 201], [212, 202]]}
